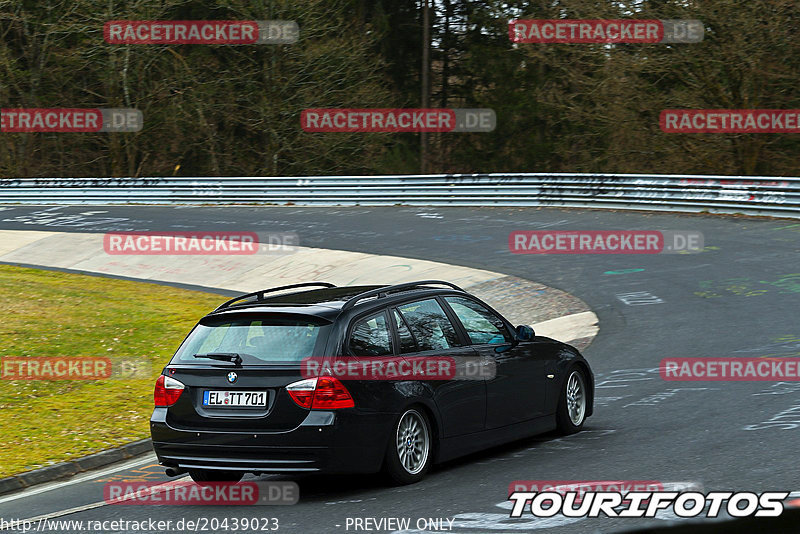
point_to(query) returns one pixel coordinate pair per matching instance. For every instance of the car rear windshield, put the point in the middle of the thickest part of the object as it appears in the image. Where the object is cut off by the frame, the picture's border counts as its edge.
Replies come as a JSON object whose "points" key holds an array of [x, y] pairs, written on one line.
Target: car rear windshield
{"points": [[257, 340]]}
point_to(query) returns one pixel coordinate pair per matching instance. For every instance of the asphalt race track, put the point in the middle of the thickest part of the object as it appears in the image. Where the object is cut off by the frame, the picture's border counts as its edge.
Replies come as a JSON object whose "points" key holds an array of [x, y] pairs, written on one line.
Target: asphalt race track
{"points": [[739, 297]]}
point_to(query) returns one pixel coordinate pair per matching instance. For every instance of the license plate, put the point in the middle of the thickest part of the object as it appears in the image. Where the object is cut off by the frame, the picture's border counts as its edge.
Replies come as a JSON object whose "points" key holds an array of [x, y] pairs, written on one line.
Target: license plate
{"points": [[247, 399]]}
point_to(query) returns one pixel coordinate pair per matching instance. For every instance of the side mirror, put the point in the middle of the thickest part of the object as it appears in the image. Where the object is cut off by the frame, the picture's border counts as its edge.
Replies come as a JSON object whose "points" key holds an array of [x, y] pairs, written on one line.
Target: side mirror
{"points": [[525, 333]]}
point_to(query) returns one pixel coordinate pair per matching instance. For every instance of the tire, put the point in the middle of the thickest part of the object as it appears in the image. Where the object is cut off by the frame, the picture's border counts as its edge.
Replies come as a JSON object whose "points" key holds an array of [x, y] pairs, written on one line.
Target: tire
{"points": [[572, 402], [204, 476], [408, 455]]}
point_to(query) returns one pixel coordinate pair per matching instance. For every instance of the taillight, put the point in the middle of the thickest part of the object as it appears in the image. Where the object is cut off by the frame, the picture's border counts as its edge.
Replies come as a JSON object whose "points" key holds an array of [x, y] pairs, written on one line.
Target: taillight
{"points": [[331, 394], [321, 393], [302, 393], [167, 391]]}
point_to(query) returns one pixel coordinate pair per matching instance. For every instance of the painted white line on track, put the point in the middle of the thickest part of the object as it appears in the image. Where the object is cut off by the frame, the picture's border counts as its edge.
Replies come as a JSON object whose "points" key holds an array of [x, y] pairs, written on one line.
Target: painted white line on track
{"points": [[84, 508], [54, 515], [36, 490]]}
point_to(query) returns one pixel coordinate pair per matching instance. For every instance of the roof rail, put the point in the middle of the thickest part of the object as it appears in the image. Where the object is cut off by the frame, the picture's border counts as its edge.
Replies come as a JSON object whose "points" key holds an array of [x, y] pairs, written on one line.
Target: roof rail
{"points": [[260, 294], [383, 291]]}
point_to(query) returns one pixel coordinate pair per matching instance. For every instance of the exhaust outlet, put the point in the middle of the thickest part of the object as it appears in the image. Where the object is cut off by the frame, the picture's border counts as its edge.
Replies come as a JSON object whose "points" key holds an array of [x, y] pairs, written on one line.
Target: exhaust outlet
{"points": [[175, 471]]}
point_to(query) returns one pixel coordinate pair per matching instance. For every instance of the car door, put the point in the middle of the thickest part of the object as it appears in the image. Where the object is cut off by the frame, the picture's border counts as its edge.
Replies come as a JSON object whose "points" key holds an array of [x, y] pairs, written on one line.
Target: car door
{"points": [[518, 390], [424, 329]]}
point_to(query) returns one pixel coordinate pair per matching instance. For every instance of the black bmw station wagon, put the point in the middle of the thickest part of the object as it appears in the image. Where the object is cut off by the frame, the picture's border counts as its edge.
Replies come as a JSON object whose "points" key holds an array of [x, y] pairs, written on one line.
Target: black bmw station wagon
{"points": [[236, 397]]}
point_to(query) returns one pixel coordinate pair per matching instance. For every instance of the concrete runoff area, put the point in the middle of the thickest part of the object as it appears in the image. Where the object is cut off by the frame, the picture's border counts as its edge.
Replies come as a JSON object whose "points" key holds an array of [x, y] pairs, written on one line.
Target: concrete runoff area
{"points": [[563, 317]]}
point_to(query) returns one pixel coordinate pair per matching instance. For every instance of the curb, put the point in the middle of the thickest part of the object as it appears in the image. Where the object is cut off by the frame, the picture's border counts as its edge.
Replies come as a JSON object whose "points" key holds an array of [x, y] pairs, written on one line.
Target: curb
{"points": [[73, 467]]}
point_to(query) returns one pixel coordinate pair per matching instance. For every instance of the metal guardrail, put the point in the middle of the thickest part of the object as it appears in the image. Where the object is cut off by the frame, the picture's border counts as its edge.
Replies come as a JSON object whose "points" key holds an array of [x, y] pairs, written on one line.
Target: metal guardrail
{"points": [[752, 195]]}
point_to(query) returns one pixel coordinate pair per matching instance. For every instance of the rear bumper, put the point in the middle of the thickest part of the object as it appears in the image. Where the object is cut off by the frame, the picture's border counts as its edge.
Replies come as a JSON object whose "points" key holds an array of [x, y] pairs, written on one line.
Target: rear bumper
{"points": [[325, 442]]}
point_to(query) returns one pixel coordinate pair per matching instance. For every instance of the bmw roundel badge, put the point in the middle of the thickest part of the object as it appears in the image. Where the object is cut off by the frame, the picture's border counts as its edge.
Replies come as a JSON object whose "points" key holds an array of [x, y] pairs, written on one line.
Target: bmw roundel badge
{"points": [[232, 377]]}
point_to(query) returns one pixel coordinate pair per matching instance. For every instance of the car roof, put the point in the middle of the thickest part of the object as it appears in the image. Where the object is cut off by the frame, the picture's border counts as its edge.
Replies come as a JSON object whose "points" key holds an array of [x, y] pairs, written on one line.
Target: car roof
{"points": [[328, 302]]}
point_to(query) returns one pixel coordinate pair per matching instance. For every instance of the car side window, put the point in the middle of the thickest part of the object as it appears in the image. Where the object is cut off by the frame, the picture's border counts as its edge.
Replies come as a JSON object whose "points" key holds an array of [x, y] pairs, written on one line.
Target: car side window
{"points": [[407, 342], [429, 325], [482, 326], [370, 337]]}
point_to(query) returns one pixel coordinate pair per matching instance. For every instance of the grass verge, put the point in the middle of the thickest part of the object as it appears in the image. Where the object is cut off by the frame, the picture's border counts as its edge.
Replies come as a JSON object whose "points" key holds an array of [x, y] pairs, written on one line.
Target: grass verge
{"points": [[54, 314]]}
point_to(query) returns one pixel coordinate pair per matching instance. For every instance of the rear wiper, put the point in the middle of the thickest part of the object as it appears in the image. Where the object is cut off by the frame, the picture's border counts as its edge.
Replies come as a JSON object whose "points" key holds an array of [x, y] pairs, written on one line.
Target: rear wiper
{"points": [[222, 356]]}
